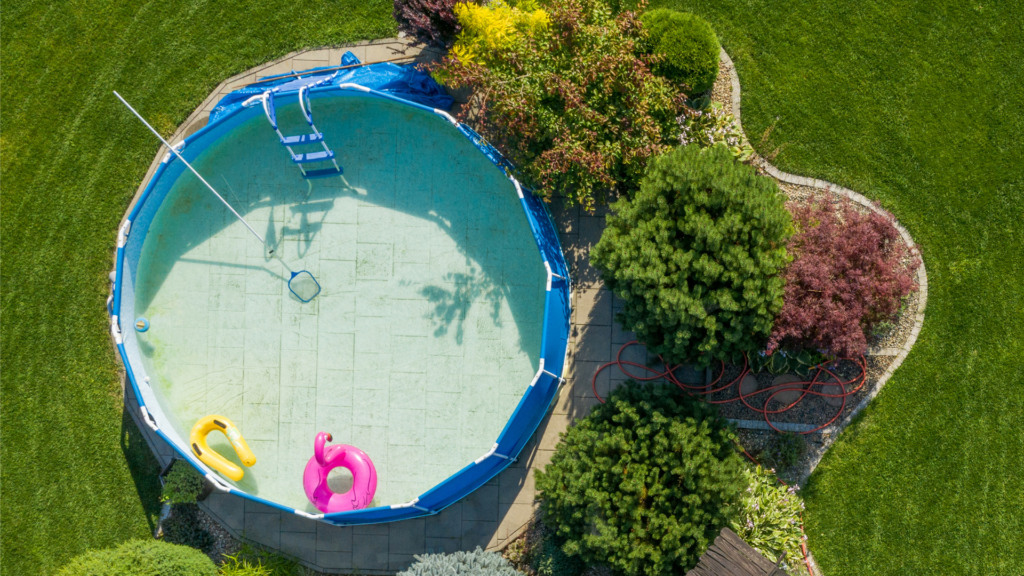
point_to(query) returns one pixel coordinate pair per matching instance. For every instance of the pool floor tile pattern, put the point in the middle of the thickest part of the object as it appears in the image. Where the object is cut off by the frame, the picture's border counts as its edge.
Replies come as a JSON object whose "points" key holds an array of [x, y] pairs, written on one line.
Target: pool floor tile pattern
{"points": [[423, 339], [490, 516]]}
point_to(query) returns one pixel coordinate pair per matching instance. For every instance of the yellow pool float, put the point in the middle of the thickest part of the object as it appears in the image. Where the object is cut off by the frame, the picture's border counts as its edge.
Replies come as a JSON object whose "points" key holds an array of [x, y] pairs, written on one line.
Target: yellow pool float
{"points": [[200, 448]]}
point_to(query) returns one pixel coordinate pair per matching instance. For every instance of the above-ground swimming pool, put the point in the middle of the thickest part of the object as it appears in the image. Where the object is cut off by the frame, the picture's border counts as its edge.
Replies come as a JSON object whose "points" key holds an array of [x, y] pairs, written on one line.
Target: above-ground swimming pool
{"points": [[436, 343]]}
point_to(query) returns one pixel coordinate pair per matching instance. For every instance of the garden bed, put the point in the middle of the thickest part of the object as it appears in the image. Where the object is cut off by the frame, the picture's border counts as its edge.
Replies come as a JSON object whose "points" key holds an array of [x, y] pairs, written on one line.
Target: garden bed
{"points": [[812, 410], [888, 344]]}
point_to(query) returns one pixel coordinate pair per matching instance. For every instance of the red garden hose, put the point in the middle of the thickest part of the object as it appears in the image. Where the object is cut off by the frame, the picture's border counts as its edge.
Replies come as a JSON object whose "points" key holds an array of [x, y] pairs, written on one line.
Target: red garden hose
{"points": [[847, 387]]}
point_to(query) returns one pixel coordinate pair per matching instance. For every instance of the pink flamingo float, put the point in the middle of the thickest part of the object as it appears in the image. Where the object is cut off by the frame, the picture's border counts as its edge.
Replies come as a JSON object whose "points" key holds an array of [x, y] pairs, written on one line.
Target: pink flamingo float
{"points": [[327, 458]]}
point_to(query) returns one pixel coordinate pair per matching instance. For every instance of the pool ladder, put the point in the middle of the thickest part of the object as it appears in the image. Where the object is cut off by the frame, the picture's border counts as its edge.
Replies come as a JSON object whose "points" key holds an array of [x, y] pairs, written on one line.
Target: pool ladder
{"points": [[303, 139]]}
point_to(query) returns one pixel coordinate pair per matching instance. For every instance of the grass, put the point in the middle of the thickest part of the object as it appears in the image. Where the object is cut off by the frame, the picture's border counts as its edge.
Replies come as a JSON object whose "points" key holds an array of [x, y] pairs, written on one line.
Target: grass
{"points": [[74, 472], [918, 105], [921, 106]]}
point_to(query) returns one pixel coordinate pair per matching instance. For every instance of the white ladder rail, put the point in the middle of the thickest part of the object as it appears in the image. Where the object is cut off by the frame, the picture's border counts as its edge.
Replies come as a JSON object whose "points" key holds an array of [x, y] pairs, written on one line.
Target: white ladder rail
{"points": [[307, 112], [272, 118]]}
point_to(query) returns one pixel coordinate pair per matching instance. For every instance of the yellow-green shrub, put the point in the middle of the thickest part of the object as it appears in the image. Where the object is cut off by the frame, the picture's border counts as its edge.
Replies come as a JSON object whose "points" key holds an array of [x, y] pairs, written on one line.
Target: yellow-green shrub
{"points": [[495, 27]]}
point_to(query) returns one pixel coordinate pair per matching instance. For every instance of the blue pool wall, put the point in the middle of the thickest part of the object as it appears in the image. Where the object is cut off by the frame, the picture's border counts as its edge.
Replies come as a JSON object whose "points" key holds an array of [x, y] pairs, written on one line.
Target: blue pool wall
{"points": [[524, 420]]}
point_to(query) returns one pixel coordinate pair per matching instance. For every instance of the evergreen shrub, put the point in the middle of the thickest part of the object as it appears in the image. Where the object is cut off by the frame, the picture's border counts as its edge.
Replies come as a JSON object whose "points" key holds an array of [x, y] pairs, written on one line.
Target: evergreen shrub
{"points": [[644, 483], [696, 255], [475, 563], [687, 46], [141, 558], [183, 484], [850, 271]]}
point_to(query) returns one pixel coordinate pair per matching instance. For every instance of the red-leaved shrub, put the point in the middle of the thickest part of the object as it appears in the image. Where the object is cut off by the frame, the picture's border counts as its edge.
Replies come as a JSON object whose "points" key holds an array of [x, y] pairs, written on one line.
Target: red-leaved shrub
{"points": [[431, 22], [850, 270]]}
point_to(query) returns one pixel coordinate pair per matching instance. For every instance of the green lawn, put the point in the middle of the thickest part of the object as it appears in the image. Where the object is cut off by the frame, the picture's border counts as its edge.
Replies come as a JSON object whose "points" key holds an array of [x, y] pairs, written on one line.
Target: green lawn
{"points": [[921, 106], [74, 472]]}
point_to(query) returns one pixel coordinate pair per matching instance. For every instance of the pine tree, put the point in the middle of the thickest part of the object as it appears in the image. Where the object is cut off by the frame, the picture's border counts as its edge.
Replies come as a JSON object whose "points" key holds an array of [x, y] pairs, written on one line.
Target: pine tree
{"points": [[644, 483], [696, 254]]}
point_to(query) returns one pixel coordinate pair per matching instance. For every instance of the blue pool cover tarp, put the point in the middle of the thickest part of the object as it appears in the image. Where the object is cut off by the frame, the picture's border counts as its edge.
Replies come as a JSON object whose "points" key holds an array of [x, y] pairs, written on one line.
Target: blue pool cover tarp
{"points": [[415, 88], [404, 81]]}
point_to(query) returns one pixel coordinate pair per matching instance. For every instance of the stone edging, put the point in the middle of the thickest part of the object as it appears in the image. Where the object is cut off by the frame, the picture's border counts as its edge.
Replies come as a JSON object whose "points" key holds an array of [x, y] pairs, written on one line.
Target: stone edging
{"points": [[830, 433], [922, 276]]}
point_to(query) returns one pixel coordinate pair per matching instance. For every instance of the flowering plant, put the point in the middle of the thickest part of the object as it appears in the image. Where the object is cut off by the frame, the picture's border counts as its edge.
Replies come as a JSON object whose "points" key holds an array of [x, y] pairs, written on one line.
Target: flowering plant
{"points": [[564, 95], [770, 517], [710, 126]]}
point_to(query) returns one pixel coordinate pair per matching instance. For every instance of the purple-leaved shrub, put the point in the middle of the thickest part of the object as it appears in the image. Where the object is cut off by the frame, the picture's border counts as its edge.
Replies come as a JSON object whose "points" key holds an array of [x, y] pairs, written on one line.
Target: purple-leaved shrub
{"points": [[431, 22], [850, 270]]}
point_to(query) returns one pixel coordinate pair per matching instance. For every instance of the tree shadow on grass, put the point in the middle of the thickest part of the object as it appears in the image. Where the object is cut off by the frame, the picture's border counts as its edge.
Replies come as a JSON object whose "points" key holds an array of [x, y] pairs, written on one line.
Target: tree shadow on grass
{"points": [[143, 467]]}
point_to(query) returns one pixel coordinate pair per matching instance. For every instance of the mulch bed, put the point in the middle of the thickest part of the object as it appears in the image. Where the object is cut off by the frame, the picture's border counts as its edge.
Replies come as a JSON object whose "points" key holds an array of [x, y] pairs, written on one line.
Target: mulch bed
{"points": [[812, 409]]}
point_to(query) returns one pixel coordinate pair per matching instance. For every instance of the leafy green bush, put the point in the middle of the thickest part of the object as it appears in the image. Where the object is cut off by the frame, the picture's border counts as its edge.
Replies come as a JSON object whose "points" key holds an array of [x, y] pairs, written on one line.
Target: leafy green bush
{"points": [[475, 563], [564, 94], [254, 561], [687, 45], [696, 255], [783, 451], [644, 483], [783, 361], [711, 125], [141, 558], [183, 527], [770, 519], [490, 29], [183, 484]]}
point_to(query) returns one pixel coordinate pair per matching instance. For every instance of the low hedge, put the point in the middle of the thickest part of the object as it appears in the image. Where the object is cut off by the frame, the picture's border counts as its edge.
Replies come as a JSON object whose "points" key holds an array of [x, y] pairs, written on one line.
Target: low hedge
{"points": [[141, 558]]}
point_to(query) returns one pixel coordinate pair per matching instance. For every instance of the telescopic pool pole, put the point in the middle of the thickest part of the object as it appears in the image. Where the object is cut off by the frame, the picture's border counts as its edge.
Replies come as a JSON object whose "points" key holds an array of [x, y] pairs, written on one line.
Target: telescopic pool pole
{"points": [[294, 274], [201, 179]]}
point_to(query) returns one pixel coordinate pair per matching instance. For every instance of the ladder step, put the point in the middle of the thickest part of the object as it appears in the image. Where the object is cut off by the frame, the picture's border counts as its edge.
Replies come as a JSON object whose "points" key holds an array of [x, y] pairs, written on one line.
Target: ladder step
{"points": [[313, 157], [323, 173], [303, 139]]}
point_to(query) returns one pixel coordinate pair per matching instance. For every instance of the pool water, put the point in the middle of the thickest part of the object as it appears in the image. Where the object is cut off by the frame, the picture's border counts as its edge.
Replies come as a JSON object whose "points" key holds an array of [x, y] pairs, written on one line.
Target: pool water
{"points": [[426, 332]]}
